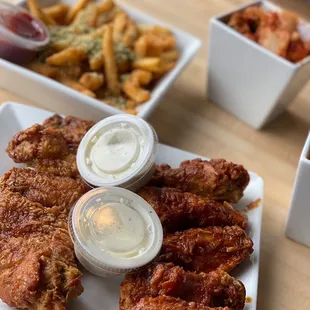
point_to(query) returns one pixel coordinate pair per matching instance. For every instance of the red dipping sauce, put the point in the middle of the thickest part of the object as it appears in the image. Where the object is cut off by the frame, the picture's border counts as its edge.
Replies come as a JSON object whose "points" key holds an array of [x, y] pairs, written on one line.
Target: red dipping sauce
{"points": [[21, 35]]}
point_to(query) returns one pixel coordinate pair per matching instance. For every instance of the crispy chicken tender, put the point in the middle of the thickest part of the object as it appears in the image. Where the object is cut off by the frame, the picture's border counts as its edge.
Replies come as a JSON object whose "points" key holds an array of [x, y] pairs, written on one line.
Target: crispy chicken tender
{"points": [[43, 188], [37, 264], [207, 249], [214, 289], [168, 303], [178, 210], [217, 179]]}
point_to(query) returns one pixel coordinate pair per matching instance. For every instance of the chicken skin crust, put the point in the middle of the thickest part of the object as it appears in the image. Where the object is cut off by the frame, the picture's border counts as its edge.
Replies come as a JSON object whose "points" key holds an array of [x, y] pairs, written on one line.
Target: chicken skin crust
{"points": [[214, 289], [37, 262], [217, 179], [178, 210], [169, 303], [44, 188], [207, 249]]}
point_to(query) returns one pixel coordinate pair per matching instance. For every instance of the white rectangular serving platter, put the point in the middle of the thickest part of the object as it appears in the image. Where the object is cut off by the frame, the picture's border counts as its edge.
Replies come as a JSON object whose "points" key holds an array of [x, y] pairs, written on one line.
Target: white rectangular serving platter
{"points": [[54, 96], [102, 293]]}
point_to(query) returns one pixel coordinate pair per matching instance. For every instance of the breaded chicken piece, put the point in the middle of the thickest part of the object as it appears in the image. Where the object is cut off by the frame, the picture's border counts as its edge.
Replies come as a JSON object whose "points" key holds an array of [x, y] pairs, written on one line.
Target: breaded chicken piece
{"points": [[170, 303], [44, 188], [37, 142], [207, 249], [72, 128], [37, 263], [214, 289], [178, 210], [217, 179]]}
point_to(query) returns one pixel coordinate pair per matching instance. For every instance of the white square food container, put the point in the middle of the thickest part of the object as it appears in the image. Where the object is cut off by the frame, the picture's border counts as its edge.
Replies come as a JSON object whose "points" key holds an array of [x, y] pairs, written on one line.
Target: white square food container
{"points": [[298, 221], [56, 97], [248, 80]]}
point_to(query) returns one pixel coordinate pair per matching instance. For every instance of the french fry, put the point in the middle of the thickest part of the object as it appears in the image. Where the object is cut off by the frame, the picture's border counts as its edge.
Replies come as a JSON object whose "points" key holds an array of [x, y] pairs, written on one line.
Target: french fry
{"points": [[43, 69], [159, 30], [131, 111], [77, 86], [141, 77], [135, 92], [119, 25], [140, 47], [75, 9], [92, 80], [130, 35], [170, 56], [36, 11], [105, 6], [148, 63], [95, 62], [87, 16], [110, 66], [69, 56], [57, 12]]}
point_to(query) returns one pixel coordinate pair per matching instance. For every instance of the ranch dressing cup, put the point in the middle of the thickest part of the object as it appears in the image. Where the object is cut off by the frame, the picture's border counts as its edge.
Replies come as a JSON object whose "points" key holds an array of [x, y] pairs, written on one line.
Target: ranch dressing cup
{"points": [[114, 231], [118, 151]]}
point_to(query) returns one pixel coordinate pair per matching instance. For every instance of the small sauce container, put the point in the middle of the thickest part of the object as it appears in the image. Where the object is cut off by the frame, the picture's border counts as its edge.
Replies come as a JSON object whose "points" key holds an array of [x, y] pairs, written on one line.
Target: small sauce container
{"points": [[114, 231], [21, 35], [118, 151]]}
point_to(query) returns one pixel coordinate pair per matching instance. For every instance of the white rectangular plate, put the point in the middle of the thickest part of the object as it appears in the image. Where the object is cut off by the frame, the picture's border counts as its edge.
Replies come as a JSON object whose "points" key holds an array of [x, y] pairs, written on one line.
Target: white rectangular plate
{"points": [[104, 293], [54, 96]]}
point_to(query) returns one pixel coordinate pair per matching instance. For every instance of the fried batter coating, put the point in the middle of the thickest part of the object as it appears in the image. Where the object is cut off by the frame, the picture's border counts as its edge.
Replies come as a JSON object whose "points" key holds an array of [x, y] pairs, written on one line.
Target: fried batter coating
{"points": [[179, 211], [44, 188], [207, 249], [214, 289], [217, 179], [169, 303], [37, 264]]}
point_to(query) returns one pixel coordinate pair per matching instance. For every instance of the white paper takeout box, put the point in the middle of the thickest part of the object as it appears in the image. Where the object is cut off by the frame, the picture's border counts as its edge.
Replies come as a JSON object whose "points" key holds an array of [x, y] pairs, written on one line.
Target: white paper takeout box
{"points": [[56, 97], [297, 226], [248, 80]]}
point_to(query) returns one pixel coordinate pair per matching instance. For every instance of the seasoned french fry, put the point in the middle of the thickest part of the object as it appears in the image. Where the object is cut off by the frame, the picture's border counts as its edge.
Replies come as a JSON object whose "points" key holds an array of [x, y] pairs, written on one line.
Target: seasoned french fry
{"points": [[77, 86], [162, 69], [130, 35], [75, 9], [148, 63], [170, 56], [105, 6], [36, 11], [69, 56], [95, 62], [119, 25], [57, 11], [87, 16], [135, 92], [43, 69], [110, 66], [131, 111], [140, 47], [92, 80], [141, 77], [160, 43], [159, 30]]}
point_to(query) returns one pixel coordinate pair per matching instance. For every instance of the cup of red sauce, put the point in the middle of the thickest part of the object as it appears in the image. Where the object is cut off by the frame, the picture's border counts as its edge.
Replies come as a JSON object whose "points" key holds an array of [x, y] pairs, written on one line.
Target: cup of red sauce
{"points": [[21, 35]]}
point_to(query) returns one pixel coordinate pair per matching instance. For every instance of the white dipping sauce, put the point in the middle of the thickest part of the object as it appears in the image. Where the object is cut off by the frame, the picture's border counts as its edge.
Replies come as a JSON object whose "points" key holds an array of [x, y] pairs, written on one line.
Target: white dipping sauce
{"points": [[118, 151], [114, 231]]}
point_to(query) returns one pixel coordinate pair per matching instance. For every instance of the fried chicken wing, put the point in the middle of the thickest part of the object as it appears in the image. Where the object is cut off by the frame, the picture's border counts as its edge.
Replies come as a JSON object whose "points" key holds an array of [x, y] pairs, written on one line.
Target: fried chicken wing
{"points": [[207, 249], [217, 179], [72, 128], [214, 289], [37, 142], [37, 264], [169, 303], [178, 210], [43, 188]]}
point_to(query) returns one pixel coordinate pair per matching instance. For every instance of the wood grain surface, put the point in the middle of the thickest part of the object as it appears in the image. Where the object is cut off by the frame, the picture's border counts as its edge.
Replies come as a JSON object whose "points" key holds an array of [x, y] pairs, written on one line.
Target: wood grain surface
{"points": [[185, 119]]}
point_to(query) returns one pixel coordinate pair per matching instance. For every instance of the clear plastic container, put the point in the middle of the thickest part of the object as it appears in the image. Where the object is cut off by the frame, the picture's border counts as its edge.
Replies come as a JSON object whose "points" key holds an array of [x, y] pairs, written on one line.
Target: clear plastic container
{"points": [[114, 231], [21, 35], [118, 151]]}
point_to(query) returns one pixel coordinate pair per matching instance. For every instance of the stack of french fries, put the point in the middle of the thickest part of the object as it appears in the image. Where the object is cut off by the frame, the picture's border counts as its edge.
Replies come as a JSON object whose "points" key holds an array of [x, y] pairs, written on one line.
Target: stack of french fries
{"points": [[98, 50]]}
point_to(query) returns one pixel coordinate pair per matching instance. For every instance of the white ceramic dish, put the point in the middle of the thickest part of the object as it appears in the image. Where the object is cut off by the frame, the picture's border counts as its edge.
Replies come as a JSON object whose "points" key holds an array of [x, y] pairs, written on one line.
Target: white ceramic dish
{"points": [[248, 80], [56, 97], [297, 226], [104, 293]]}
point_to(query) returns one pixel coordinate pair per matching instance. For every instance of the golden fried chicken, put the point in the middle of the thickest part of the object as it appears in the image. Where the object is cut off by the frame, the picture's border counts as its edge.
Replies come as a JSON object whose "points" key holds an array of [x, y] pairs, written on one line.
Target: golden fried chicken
{"points": [[214, 289], [178, 210], [37, 263], [217, 179], [207, 249], [72, 128], [44, 188], [43, 149], [170, 303], [37, 142]]}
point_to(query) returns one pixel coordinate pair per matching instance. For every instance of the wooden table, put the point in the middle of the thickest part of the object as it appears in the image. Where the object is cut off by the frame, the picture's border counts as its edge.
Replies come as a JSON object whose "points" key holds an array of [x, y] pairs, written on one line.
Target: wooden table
{"points": [[188, 121]]}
